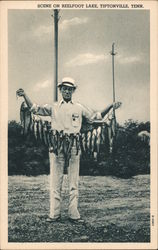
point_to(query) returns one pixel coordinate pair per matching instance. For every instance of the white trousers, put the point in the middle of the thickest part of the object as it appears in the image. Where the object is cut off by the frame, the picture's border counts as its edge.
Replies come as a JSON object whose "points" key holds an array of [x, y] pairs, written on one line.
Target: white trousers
{"points": [[56, 180]]}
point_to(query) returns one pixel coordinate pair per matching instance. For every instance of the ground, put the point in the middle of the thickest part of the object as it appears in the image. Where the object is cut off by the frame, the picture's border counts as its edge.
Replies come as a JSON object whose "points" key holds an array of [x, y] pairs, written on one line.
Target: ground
{"points": [[115, 210]]}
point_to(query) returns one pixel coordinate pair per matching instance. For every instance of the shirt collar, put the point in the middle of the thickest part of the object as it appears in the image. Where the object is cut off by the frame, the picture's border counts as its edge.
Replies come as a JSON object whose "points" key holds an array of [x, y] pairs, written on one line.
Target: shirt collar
{"points": [[62, 102]]}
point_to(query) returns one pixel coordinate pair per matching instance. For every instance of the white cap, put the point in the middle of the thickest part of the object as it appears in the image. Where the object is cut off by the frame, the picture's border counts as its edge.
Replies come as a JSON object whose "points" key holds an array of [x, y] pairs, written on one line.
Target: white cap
{"points": [[67, 81]]}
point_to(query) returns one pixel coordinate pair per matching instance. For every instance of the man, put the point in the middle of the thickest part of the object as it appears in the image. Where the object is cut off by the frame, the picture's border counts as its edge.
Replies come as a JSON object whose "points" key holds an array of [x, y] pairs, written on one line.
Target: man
{"points": [[66, 116]]}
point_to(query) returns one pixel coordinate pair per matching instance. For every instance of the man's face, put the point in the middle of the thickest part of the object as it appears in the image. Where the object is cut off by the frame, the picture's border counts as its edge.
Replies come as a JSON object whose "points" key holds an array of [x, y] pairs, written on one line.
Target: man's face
{"points": [[66, 92]]}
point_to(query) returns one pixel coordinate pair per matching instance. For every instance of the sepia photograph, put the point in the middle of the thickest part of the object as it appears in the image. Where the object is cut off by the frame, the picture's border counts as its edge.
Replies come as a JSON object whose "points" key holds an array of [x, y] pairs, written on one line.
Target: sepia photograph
{"points": [[80, 126]]}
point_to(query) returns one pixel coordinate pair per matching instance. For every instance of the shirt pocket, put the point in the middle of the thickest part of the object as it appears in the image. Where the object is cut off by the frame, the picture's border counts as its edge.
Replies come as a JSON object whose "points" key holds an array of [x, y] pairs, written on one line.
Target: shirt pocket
{"points": [[76, 120]]}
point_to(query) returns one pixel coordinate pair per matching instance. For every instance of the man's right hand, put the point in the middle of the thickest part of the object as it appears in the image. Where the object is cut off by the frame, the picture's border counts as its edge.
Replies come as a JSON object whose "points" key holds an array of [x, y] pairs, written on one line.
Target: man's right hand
{"points": [[20, 92], [116, 105]]}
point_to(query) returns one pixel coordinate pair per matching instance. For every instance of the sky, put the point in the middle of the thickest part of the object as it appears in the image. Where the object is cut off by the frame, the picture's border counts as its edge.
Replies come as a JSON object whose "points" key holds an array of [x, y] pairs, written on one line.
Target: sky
{"points": [[84, 43]]}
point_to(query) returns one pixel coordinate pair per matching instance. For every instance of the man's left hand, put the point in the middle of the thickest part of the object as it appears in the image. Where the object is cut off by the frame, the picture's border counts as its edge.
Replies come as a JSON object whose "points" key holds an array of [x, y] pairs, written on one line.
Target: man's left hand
{"points": [[116, 105]]}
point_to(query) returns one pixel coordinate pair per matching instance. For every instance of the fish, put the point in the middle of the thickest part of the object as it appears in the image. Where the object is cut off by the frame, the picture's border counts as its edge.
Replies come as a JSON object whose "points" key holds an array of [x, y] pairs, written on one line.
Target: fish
{"points": [[66, 165], [25, 118], [70, 142], [56, 138], [111, 133], [110, 137], [98, 139], [60, 139], [92, 135], [83, 141], [27, 122], [103, 133], [35, 128], [93, 142], [40, 130], [53, 141], [113, 126], [77, 138], [31, 124], [89, 137], [65, 143], [51, 147], [45, 134]]}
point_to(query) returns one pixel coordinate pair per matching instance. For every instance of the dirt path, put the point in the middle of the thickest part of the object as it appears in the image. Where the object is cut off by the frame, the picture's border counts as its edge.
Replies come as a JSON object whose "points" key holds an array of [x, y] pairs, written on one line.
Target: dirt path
{"points": [[115, 210]]}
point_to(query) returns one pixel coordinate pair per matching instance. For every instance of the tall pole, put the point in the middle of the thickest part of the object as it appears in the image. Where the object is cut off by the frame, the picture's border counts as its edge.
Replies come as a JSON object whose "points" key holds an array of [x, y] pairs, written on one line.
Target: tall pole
{"points": [[56, 19], [113, 81], [113, 72], [55, 97]]}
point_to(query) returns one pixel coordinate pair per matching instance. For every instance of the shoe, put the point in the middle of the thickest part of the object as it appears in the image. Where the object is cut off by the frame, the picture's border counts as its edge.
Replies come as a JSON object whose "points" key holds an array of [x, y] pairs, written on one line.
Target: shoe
{"points": [[49, 219], [76, 221]]}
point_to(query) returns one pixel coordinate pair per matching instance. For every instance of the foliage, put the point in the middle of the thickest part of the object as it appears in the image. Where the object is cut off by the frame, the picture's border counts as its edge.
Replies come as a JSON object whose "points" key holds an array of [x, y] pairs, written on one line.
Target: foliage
{"points": [[130, 156], [25, 155]]}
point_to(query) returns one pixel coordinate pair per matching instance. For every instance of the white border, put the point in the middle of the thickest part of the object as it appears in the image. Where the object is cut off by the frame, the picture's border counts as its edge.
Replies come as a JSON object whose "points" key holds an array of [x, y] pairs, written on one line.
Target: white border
{"points": [[5, 5]]}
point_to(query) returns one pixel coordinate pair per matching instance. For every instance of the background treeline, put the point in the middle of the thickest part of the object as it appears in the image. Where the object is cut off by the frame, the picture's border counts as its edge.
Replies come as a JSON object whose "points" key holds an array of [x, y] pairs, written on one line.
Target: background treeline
{"points": [[131, 156]]}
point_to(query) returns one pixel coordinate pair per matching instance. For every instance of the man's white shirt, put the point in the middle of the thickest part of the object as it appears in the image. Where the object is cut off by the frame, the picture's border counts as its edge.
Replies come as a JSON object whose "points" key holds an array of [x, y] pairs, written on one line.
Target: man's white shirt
{"points": [[65, 116]]}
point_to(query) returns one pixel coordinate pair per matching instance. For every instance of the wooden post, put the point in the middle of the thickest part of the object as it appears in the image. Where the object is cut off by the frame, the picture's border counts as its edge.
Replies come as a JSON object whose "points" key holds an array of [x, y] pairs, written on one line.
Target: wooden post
{"points": [[55, 99], [56, 19], [113, 72], [113, 122]]}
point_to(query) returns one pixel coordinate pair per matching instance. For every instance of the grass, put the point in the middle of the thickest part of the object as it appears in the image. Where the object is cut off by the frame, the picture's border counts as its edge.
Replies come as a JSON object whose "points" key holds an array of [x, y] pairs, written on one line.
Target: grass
{"points": [[115, 210]]}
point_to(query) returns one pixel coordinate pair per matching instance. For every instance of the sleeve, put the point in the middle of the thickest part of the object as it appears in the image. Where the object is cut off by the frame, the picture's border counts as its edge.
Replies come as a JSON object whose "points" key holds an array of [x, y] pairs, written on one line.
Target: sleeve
{"points": [[90, 114], [45, 110]]}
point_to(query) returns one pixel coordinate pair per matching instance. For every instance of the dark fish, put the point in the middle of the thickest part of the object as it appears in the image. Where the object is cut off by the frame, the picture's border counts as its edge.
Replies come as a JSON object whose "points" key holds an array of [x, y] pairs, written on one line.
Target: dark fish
{"points": [[77, 138], [67, 150], [42, 136], [25, 118], [65, 144], [71, 143], [22, 119], [66, 165], [53, 141], [56, 139], [31, 124], [27, 122], [45, 134], [40, 130], [82, 144]]}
